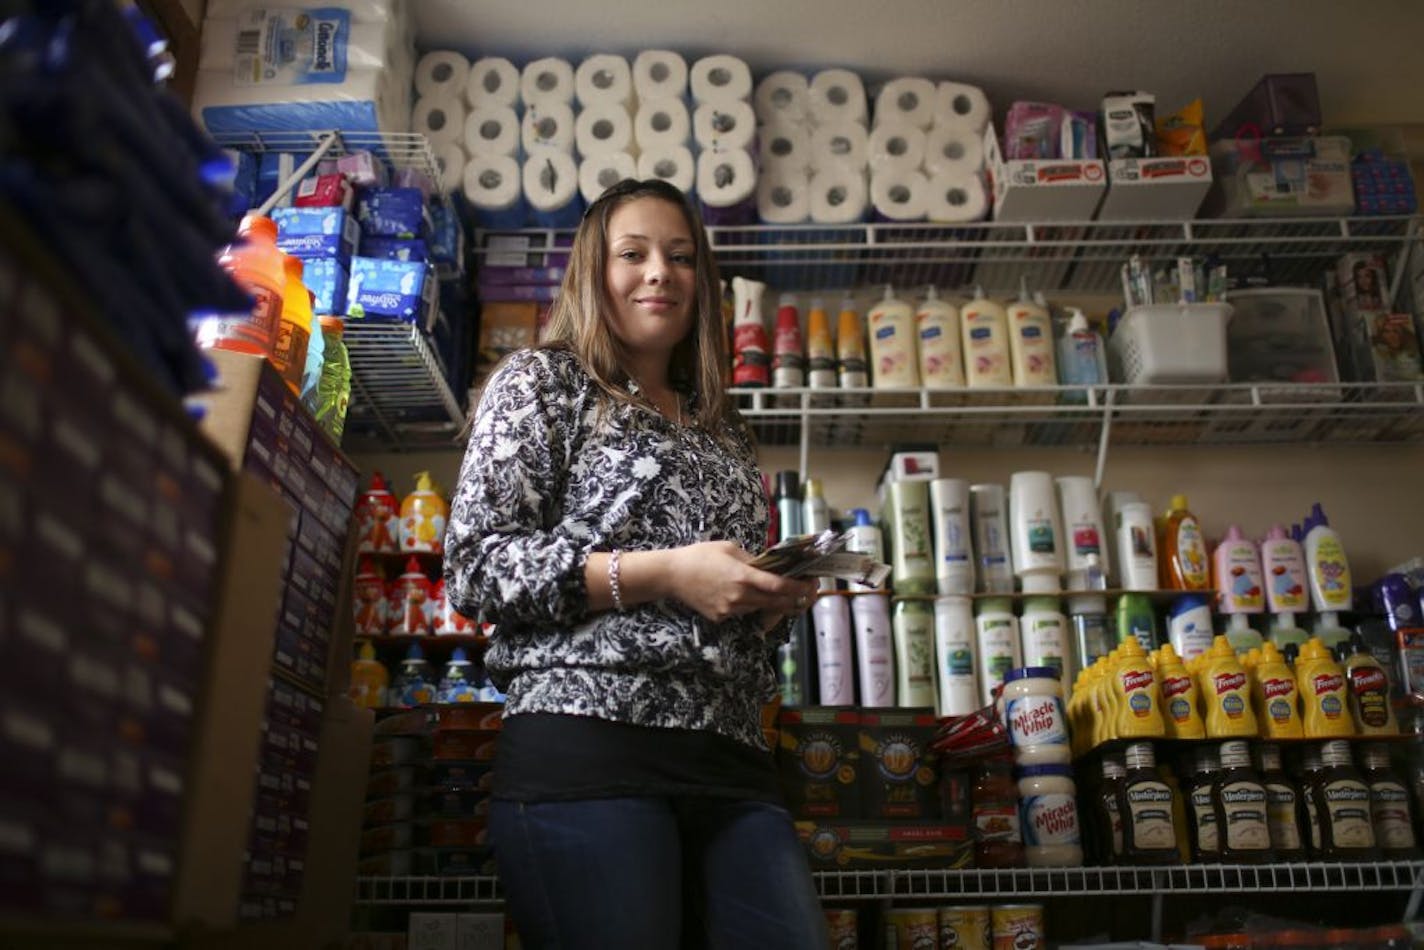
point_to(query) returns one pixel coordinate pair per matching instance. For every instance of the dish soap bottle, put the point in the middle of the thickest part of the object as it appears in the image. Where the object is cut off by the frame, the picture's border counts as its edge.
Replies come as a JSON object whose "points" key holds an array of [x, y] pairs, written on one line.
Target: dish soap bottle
{"points": [[751, 359], [937, 329], [1236, 570], [369, 679], [891, 324], [1369, 692], [1283, 569], [1183, 553], [422, 518], [1149, 835], [985, 329], [1329, 577], [1030, 342], [1243, 830]]}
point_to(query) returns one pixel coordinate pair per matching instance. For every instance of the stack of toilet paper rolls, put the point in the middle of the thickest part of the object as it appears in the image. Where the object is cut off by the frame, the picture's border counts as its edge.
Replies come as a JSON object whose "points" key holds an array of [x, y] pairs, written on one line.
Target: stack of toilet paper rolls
{"points": [[813, 147], [725, 130], [926, 152]]}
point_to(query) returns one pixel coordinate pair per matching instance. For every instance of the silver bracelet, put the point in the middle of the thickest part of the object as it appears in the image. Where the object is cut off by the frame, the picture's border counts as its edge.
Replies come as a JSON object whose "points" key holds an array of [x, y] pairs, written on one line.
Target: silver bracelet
{"points": [[613, 587]]}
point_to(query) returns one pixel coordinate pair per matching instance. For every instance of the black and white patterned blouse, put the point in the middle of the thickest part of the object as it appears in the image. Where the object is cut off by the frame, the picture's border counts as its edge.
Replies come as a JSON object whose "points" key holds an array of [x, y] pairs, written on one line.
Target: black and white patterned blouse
{"points": [[553, 473]]}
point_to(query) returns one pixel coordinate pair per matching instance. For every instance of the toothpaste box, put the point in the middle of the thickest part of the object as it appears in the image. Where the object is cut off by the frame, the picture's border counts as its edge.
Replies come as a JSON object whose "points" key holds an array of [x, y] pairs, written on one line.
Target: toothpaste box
{"points": [[394, 212], [391, 290], [317, 232], [394, 249], [326, 278]]}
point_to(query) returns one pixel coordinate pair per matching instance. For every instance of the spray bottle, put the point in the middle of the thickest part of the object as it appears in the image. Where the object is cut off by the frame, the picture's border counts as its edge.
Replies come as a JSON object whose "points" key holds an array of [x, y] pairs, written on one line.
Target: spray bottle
{"points": [[751, 361], [820, 348], [851, 367], [788, 365]]}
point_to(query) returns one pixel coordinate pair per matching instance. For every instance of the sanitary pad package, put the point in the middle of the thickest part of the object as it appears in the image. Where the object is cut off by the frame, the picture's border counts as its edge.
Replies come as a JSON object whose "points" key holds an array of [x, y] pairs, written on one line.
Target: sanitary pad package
{"points": [[317, 232], [394, 212], [394, 249], [326, 278], [391, 290]]}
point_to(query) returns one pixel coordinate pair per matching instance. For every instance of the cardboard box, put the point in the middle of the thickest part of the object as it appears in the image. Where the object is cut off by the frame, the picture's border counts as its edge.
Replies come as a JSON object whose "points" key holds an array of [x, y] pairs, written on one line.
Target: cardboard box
{"points": [[818, 755], [856, 845], [1042, 189], [1155, 189], [898, 770]]}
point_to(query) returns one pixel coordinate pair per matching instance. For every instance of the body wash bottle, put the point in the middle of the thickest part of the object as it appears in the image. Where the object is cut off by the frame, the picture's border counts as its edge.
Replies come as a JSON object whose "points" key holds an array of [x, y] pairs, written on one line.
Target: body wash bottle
{"points": [[1236, 568]]}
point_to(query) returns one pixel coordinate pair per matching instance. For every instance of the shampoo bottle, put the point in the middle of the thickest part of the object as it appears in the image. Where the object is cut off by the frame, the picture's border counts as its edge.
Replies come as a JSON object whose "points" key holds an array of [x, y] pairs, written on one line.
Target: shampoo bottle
{"points": [[1136, 547], [953, 552], [874, 659], [1087, 555], [990, 539], [891, 323], [1030, 342], [1283, 571], [1329, 572], [1183, 555], [954, 656], [985, 330], [997, 637], [1035, 532], [937, 329], [1236, 569], [913, 633], [751, 357], [835, 665]]}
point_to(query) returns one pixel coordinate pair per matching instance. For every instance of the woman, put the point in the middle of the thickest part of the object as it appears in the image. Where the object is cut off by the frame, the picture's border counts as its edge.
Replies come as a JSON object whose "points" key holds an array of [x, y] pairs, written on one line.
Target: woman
{"points": [[607, 507]]}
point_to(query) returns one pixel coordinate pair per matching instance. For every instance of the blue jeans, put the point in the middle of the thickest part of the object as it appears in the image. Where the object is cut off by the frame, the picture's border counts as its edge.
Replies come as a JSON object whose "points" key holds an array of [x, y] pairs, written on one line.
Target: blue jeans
{"points": [[655, 874]]}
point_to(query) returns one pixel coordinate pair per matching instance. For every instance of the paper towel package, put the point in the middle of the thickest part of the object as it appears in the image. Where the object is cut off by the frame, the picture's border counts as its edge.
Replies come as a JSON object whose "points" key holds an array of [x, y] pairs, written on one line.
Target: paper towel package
{"points": [[839, 195], [836, 95], [326, 278], [493, 130], [908, 99], [720, 78], [550, 79], [727, 188], [603, 127], [724, 125], [393, 212], [600, 172], [841, 143], [443, 73], [604, 79], [493, 81], [363, 102], [783, 96], [659, 74], [317, 232], [899, 195], [393, 290], [551, 188], [439, 117], [494, 187], [672, 163], [784, 196], [227, 44], [661, 123], [547, 124]]}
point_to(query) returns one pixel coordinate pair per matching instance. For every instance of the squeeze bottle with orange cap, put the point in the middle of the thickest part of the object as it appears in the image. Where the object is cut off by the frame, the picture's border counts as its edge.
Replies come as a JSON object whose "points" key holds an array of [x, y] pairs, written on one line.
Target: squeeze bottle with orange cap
{"points": [[422, 518], [1226, 694], [1325, 712], [369, 679], [1135, 693], [1275, 695], [1182, 554], [289, 355], [1179, 696], [256, 264]]}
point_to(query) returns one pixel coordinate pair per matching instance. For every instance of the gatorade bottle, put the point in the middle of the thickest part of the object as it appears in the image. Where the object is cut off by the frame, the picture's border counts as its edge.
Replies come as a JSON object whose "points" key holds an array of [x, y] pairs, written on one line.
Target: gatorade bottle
{"points": [[289, 354], [334, 388], [256, 264]]}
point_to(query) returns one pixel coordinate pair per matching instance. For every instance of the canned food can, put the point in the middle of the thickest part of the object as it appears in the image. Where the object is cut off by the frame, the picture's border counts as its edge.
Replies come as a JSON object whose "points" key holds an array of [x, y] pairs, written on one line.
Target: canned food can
{"points": [[964, 928], [912, 928], [843, 928], [1017, 926]]}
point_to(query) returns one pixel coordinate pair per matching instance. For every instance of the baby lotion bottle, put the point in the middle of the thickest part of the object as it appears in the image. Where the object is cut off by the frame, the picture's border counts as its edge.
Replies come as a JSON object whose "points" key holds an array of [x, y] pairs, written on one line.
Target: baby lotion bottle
{"points": [[1035, 532], [751, 356], [893, 363], [1183, 559], [1236, 570], [937, 330], [1030, 342], [1329, 573], [985, 330], [1283, 571]]}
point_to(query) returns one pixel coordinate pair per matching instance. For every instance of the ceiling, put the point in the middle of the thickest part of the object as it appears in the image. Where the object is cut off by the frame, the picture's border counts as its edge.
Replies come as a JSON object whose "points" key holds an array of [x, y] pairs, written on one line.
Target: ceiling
{"points": [[1365, 53]]}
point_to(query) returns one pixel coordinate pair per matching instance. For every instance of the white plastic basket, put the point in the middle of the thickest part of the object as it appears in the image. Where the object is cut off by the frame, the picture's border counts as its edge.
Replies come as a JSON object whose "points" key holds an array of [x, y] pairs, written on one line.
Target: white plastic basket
{"points": [[1171, 344]]}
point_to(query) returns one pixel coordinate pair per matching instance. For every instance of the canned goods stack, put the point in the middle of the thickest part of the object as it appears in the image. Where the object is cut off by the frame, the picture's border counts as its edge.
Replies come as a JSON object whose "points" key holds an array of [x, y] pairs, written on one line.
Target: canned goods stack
{"points": [[1033, 711], [974, 927]]}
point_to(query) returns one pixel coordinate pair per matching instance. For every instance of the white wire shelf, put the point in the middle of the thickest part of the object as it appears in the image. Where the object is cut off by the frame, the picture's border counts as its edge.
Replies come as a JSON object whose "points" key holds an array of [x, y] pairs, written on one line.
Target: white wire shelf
{"points": [[404, 150], [1243, 413], [989, 882], [1081, 256], [399, 395]]}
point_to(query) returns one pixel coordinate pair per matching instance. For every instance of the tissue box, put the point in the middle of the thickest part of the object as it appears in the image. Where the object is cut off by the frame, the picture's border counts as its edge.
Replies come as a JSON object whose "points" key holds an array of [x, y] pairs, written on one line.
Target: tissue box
{"points": [[326, 278], [394, 212], [393, 290], [317, 232], [394, 249], [1286, 176]]}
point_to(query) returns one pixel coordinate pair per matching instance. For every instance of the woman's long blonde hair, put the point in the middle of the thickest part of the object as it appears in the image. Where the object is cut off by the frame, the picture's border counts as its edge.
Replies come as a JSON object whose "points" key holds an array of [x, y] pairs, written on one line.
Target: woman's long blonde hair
{"points": [[578, 321]]}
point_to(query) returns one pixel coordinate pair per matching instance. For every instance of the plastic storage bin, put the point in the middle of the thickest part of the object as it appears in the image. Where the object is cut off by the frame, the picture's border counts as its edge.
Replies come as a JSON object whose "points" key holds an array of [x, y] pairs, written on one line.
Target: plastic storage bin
{"points": [[1285, 176], [1166, 344], [1282, 335]]}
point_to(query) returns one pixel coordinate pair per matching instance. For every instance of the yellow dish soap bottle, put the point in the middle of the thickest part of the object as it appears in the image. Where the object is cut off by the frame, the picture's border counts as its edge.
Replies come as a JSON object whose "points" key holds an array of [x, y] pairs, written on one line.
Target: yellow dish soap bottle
{"points": [[1179, 697], [369, 679], [1182, 554], [1276, 696], [1135, 693], [1324, 712], [1227, 695], [422, 518]]}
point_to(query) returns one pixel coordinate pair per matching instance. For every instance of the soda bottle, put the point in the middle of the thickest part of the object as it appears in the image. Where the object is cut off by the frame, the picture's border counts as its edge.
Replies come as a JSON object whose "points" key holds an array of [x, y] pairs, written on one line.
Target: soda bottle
{"points": [[256, 264], [334, 388], [289, 355]]}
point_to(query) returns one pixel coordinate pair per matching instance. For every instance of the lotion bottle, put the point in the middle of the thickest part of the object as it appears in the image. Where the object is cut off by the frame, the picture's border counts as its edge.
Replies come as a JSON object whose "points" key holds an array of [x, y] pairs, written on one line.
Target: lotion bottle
{"points": [[937, 330], [985, 330], [1329, 572], [1236, 570], [1030, 342], [1283, 570], [892, 343]]}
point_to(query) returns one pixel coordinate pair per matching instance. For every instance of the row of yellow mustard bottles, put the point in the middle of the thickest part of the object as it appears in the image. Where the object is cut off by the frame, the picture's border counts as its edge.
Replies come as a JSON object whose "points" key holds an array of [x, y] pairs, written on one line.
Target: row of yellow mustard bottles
{"points": [[1116, 698]]}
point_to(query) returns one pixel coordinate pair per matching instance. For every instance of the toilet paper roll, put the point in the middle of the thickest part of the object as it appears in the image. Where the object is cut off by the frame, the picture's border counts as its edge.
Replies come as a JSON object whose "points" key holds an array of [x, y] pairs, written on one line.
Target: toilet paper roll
{"points": [[967, 104], [957, 196], [786, 146], [895, 146], [440, 118], [450, 159], [547, 124], [842, 143], [837, 95], [659, 74], [493, 81], [368, 45], [604, 79], [551, 187], [907, 99], [782, 97], [672, 163], [662, 122], [603, 127], [600, 172], [494, 187], [725, 126], [442, 73], [953, 148], [720, 78], [784, 196], [550, 79], [899, 195], [838, 195], [492, 130], [727, 187]]}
